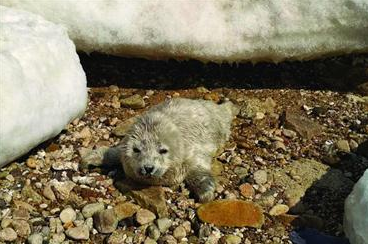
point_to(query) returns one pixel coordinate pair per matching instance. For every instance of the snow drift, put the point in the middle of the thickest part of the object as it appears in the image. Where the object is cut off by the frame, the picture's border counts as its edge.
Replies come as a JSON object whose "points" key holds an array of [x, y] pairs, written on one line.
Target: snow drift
{"points": [[221, 30], [356, 212], [42, 84]]}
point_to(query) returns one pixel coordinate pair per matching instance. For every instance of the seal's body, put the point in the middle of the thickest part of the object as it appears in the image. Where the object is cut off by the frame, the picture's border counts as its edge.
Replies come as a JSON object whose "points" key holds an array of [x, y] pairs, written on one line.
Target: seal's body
{"points": [[175, 142]]}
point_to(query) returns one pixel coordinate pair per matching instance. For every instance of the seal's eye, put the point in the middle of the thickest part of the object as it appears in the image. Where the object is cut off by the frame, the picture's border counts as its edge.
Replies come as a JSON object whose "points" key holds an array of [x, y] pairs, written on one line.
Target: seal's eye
{"points": [[136, 150], [162, 151]]}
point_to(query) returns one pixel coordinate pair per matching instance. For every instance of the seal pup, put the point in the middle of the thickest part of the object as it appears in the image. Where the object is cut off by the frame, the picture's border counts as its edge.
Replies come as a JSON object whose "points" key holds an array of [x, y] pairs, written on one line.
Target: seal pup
{"points": [[175, 141]]}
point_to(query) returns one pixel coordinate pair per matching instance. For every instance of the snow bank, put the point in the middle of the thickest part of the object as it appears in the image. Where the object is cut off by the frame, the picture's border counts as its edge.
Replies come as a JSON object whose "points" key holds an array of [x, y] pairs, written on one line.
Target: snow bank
{"points": [[356, 212], [221, 30], [42, 84]]}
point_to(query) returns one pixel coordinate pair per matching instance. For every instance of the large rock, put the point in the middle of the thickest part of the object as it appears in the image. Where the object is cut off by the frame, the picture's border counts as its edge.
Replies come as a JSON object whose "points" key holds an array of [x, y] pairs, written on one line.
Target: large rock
{"points": [[223, 30], [42, 84], [356, 209]]}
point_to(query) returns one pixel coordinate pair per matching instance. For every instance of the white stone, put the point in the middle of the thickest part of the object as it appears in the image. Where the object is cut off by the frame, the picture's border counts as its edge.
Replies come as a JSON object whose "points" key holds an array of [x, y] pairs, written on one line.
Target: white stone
{"points": [[42, 84], [356, 210], [221, 30]]}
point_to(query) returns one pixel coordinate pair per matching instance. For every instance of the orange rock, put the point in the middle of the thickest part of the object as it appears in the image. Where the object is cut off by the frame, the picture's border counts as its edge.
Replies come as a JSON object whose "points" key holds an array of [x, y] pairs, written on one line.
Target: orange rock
{"points": [[246, 190], [232, 213]]}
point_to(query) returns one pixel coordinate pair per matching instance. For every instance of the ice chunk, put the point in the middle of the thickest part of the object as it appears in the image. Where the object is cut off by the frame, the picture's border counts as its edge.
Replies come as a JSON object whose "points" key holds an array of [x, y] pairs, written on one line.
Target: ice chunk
{"points": [[356, 212], [218, 30], [42, 84]]}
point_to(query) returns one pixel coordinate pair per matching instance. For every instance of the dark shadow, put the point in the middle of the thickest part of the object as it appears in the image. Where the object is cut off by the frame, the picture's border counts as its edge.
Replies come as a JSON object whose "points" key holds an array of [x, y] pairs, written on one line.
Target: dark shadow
{"points": [[341, 73]]}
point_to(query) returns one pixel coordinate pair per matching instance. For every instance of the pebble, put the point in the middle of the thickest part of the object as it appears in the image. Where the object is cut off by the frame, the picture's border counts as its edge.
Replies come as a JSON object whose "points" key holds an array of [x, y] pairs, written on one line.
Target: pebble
{"points": [[163, 224], [21, 213], [279, 146], [57, 238], [246, 190], [279, 209], [62, 189], [90, 209], [122, 128], [145, 216], [21, 227], [59, 165], [78, 233], [135, 102], [153, 232], [343, 146], [260, 177], [169, 239], [68, 215], [105, 221], [8, 234], [152, 198], [149, 241], [48, 193], [179, 232], [353, 145], [125, 210], [35, 238], [230, 239]]}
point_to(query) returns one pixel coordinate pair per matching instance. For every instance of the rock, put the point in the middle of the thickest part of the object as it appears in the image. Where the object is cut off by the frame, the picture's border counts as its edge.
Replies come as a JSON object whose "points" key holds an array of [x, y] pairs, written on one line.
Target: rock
{"points": [[58, 165], [117, 236], [78, 233], [26, 96], [169, 239], [134, 102], [68, 215], [260, 177], [231, 213], [123, 127], [279, 146], [21, 227], [48, 193], [56, 225], [145, 216], [302, 125], [355, 215], [246, 190], [363, 88], [90, 209], [152, 198], [105, 221], [8, 234], [216, 167], [255, 108], [353, 145], [164, 224], [343, 146], [279, 209], [241, 172], [21, 213], [62, 189], [289, 133], [57, 238], [309, 172], [28, 192], [125, 210], [93, 157], [149, 241], [35, 238], [153, 232], [115, 103], [179, 232], [230, 239]]}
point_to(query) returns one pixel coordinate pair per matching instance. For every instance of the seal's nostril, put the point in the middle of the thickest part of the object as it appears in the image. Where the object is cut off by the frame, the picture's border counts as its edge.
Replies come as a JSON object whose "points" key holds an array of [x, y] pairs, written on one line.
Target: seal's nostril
{"points": [[148, 169]]}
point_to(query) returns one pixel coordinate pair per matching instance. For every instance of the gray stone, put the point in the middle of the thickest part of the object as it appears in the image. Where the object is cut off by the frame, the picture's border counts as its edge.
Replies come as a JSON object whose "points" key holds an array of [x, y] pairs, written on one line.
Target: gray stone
{"points": [[163, 224], [35, 238], [179, 232], [135, 102], [230, 239], [90, 209], [260, 177], [22, 228], [8, 234], [68, 215], [105, 221], [78, 233], [153, 232], [343, 146], [145, 216]]}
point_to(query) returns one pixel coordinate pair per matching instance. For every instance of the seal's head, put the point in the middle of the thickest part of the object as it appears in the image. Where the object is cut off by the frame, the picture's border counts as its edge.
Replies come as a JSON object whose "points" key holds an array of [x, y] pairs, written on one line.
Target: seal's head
{"points": [[150, 148]]}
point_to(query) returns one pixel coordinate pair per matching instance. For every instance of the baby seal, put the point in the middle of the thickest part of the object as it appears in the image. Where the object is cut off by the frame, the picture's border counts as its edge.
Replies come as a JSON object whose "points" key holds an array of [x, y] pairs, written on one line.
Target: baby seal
{"points": [[175, 141]]}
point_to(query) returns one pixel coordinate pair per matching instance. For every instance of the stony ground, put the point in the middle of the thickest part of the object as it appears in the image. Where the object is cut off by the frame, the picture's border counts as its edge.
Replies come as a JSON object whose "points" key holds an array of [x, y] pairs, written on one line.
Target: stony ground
{"points": [[295, 152]]}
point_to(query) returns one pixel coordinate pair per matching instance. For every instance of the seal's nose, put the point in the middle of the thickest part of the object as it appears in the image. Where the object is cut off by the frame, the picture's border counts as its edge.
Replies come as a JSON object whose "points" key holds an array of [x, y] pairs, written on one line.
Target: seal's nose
{"points": [[147, 170]]}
